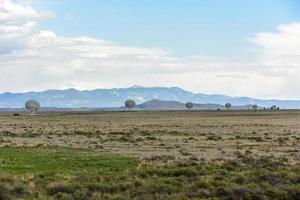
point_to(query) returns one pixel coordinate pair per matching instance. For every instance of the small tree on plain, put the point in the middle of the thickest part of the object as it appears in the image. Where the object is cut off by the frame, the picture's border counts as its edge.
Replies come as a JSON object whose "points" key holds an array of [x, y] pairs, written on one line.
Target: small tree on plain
{"points": [[189, 105], [130, 104]]}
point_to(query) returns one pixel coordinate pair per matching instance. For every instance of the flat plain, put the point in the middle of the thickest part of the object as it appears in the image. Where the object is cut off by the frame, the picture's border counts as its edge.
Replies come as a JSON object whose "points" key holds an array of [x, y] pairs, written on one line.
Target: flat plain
{"points": [[151, 155]]}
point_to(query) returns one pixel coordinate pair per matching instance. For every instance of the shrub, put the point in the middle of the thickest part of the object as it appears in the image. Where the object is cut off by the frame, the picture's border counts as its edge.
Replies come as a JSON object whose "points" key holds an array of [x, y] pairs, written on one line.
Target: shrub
{"points": [[61, 188], [4, 192], [18, 190], [203, 183]]}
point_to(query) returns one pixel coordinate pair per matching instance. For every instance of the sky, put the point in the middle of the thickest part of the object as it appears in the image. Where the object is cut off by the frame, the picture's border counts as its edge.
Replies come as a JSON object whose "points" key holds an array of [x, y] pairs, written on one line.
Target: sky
{"points": [[232, 47]]}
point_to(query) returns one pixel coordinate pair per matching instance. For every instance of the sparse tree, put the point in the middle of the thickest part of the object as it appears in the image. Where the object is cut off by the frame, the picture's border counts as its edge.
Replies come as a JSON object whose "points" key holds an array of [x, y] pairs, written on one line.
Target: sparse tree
{"points": [[189, 105], [130, 104], [254, 107], [228, 105], [33, 106]]}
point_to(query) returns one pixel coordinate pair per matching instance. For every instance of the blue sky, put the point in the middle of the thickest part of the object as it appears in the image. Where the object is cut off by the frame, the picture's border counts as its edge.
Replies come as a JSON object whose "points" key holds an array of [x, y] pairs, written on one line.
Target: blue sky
{"points": [[186, 27], [233, 47]]}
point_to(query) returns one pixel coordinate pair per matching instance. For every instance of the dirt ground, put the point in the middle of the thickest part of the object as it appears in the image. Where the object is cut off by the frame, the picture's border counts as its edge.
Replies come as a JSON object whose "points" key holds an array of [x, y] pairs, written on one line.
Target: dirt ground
{"points": [[161, 135]]}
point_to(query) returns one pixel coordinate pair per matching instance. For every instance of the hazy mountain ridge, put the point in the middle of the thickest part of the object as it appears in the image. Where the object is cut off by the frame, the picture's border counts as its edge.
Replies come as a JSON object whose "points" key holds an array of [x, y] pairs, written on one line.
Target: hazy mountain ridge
{"points": [[108, 98]]}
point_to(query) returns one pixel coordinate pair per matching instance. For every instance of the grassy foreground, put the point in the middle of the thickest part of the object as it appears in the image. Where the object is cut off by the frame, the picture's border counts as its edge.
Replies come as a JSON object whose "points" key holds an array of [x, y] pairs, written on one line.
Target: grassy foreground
{"points": [[64, 161], [57, 173]]}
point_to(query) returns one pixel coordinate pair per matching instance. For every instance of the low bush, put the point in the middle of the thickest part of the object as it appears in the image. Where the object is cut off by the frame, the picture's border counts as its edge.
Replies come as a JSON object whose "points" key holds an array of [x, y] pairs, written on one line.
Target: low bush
{"points": [[243, 178]]}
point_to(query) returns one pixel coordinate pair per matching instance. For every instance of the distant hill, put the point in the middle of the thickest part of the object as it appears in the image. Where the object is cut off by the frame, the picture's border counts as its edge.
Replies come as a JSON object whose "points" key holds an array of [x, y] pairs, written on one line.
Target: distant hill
{"points": [[157, 104], [110, 98]]}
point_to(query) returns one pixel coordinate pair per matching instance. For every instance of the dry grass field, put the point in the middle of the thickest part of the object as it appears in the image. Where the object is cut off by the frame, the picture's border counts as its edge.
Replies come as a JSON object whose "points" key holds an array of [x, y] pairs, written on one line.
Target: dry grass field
{"points": [[163, 154], [149, 135]]}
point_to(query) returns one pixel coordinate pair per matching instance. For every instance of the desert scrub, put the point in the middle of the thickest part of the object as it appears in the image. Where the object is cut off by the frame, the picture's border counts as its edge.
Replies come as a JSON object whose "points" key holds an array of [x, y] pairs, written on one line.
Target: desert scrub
{"points": [[117, 177], [214, 137]]}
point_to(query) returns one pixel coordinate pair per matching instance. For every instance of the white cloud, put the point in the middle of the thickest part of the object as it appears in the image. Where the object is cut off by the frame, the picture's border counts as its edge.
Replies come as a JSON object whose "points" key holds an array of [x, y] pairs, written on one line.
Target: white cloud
{"points": [[18, 15], [285, 42], [32, 59], [16, 24], [281, 50], [279, 53]]}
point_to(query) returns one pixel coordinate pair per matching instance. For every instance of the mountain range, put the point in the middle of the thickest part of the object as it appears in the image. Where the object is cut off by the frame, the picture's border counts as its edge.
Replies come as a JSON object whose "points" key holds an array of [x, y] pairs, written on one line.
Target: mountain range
{"points": [[113, 98]]}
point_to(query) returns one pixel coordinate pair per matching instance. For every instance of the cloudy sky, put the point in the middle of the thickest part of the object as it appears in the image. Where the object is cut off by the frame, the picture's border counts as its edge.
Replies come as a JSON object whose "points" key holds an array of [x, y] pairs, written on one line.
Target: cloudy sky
{"points": [[233, 47]]}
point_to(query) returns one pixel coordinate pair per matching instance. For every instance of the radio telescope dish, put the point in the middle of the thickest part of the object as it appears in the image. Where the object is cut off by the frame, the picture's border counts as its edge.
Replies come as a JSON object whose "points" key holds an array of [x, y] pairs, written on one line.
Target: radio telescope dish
{"points": [[255, 107], [274, 107], [189, 105], [33, 106], [130, 104], [228, 105]]}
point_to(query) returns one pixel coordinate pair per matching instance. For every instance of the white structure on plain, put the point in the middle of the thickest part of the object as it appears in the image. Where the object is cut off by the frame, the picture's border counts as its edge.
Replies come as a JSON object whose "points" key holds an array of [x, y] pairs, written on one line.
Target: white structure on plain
{"points": [[130, 104], [274, 107], [189, 105], [228, 105], [255, 107], [33, 106]]}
